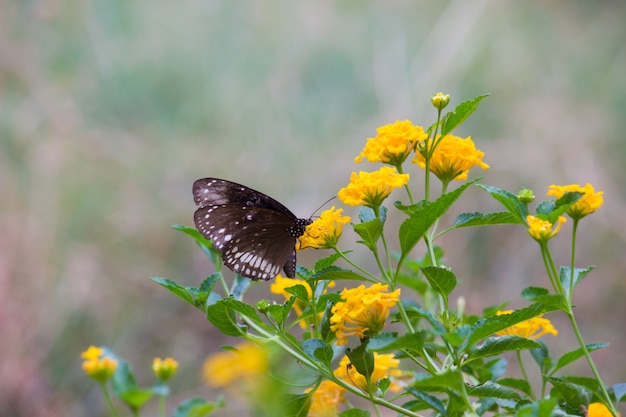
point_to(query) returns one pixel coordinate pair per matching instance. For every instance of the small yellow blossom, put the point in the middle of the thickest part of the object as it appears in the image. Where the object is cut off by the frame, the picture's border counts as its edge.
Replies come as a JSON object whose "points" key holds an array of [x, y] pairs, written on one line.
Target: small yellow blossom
{"points": [[440, 100], [587, 204], [248, 364], [599, 410], [98, 367], [541, 230], [452, 159], [164, 369], [324, 232], [363, 311], [530, 329], [385, 366], [326, 399], [371, 188], [393, 143]]}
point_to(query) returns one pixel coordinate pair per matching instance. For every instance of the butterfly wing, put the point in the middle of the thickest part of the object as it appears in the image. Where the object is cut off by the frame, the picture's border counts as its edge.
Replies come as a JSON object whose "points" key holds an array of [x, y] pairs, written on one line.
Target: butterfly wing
{"points": [[255, 242], [215, 192]]}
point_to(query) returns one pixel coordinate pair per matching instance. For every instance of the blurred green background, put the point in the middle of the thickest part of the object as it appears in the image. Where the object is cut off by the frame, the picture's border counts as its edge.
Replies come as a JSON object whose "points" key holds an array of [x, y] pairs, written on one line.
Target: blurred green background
{"points": [[110, 109]]}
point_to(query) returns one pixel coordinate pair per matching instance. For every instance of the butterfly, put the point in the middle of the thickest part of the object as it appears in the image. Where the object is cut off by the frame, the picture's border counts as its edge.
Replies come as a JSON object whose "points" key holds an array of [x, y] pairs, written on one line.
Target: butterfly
{"points": [[255, 233]]}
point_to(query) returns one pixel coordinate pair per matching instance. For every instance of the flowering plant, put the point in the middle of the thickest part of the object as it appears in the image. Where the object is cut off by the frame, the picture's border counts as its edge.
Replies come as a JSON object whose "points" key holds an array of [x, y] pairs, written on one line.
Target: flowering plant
{"points": [[392, 340]]}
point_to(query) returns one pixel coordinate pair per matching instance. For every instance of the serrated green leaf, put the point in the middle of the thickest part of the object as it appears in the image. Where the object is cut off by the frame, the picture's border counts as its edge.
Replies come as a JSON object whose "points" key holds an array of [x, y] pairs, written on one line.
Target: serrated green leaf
{"points": [[483, 219], [369, 232], [334, 273], [565, 275], [489, 325], [318, 350], [509, 201], [575, 354], [383, 385], [587, 383], [450, 381], [277, 312], [414, 311], [541, 408], [519, 384], [552, 300], [329, 260], [431, 401], [389, 342], [493, 389], [441, 279], [496, 345], [299, 291], [197, 407], [542, 357], [574, 395], [239, 287], [454, 119], [222, 315], [175, 288], [422, 218]]}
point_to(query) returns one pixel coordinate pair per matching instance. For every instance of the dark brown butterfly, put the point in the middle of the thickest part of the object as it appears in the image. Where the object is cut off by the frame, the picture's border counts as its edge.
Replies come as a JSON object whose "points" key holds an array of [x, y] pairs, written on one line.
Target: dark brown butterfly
{"points": [[255, 233]]}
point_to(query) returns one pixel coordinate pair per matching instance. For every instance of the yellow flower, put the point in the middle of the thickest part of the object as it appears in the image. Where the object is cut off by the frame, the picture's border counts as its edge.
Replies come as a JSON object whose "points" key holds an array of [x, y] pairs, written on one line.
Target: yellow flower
{"points": [[385, 366], [363, 311], [164, 369], [587, 204], [453, 158], [98, 367], [371, 188], [324, 232], [599, 410], [530, 329], [541, 230], [393, 143], [280, 285], [326, 399], [440, 100], [248, 364]]}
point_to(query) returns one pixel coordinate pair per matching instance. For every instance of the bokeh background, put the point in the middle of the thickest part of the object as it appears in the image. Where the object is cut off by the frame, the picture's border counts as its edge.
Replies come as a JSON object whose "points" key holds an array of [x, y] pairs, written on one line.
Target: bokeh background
{"points": [[110, 109]]}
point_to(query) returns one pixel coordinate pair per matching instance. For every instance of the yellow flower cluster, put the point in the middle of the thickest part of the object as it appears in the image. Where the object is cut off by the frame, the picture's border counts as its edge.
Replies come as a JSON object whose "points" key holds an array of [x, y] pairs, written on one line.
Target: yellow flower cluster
{"points": [[96, 366], [529, 329], [371, 188], [453, 158], [281, 283], [362, 312], [587, 204], [393, 143], [541, 230], [248, 363], [324, 232], [328, 396], [164, 369]]}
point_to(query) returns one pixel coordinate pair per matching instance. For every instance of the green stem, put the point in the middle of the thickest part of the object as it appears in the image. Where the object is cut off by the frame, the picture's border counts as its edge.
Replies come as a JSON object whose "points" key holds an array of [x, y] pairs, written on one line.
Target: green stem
{"points": [[523, 370], [370, 277], [107, 399], [572, 264], [162, 406]]}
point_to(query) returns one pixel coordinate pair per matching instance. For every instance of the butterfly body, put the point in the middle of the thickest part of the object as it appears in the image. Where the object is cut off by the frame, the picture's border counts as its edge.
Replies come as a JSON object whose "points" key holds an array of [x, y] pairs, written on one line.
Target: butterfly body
{"points": [[255, 233]]}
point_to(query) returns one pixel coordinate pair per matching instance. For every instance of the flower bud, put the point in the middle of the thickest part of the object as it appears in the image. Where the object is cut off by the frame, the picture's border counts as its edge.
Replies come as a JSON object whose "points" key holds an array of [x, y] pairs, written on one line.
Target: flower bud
{"points": [[526, 195], [440, 100]]}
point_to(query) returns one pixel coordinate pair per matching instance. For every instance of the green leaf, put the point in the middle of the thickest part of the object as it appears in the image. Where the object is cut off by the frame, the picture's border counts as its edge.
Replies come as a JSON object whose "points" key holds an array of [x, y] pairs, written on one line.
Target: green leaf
{"points": [[441, 279], [369, 232], [222, 315], [509, 201], [327, 334], [423, 215], [362, 360], [206, 245], [318, 350], [136, 398], [575, 354], [451, 381], [297, 405], [492, 389], [197, 407], [355, 412], [414, 311], [541, 408], [588, 383], [431, 401], [240, 286], [519, 384], [565, 275], [620, 391], [455, 118], [328, 260], [541, 296], [574, 395], [383, 385], [499, 344], [483, 219], [367, 214], [389, 342], [542, 357], [175, 288], [334, 273], [489, 325], [299, 291]]}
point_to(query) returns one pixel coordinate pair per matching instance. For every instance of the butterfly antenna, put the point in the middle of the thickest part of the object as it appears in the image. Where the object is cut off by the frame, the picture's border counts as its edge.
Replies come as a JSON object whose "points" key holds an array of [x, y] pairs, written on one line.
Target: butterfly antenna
{"points": [[325, 202]]}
